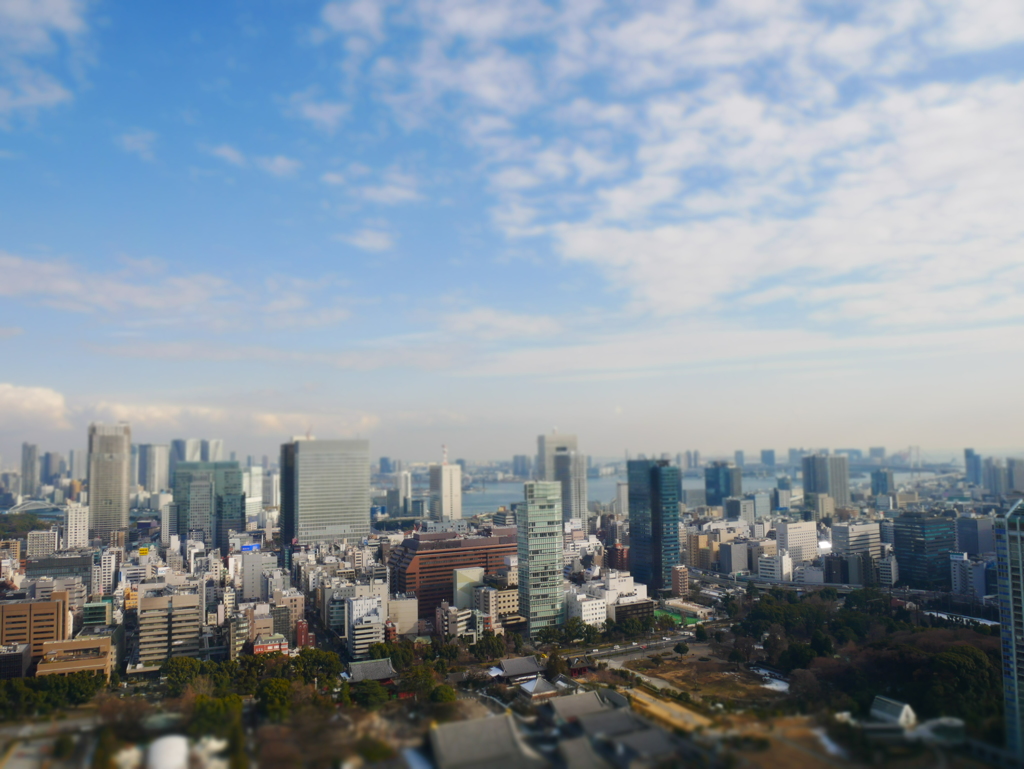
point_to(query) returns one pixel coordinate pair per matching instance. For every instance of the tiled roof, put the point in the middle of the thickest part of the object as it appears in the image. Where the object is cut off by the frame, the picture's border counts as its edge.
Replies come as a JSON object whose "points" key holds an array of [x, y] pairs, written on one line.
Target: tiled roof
{"points": [[520, 666], [460, 745], [371, 670]]}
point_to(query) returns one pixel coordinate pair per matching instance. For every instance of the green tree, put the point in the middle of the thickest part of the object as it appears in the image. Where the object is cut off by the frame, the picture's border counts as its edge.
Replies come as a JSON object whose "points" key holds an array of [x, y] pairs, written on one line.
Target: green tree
{"points": [[369, 694], [180, 672], [419, 680], [700, 634], [556, 665], [318, 665], [216, 716], [273, 698], [681, 648], [443, 693]]}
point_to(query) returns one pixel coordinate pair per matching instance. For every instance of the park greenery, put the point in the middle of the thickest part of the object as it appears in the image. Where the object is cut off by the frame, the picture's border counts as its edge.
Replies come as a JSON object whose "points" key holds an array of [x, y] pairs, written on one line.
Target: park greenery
{"points": [[841, 653], [24, 697]]}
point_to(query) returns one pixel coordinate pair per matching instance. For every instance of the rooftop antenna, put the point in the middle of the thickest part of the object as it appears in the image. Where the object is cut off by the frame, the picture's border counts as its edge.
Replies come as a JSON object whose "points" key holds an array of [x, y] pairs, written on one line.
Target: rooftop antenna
{"points": [[444, 454]]}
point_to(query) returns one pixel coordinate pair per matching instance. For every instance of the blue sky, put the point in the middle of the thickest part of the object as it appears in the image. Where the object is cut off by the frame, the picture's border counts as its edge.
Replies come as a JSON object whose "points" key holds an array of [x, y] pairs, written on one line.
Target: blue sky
{"points": [[660, 225]]}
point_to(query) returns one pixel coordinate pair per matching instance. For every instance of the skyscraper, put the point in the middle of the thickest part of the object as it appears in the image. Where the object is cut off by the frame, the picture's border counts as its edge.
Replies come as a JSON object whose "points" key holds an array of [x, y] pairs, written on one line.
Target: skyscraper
{"points": [[1009, 542], [29, 470], [110, 459], [445, 492], [994, 478], [547, 445], [571, 472], [539, 539], [76, 526], [653, 522], [521, 466], [830, 475], [211, 450], [210, 501], [974, 534], [739, 458], [154, 464], [921, 544], [768, 457], [722, 480], [972, 462], [882, 482], [184, 450], [325, 490]]}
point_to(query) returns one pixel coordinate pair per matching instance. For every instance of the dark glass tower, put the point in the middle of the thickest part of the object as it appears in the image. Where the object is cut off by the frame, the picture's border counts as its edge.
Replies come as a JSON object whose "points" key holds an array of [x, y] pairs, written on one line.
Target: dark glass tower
{"points": [[921, 544], [653, 522], [720, 481]]}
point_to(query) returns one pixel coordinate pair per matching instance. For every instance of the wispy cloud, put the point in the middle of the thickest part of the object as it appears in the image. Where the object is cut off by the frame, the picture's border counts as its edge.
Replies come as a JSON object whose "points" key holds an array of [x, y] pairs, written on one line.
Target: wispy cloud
{"points": [[279, 165], [138, 142], [323, 114], [491, 324], [228, 154], [370, 240]]}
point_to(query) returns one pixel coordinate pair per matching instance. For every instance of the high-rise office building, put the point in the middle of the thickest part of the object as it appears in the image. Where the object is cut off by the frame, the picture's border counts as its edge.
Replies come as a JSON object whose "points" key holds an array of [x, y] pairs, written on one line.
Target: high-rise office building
{"points": [[882, 482], [1009, 543], [768, 457], [972, 463], [539, 539], [799, 539], [722, 480], [154, 466], [29, 470], [399, 499], [830, 475], [653, 522], [445, 492], [211, 450], [994, 477], [110, 456], [521, 466], [1015, 474], [325, 490], [974, 534], [169, 626], [51, 468], [76, 526], [252, 487], [209, 499], [857, 538], [547, 446], [571, 472], [739, 458], [271, 488], [385, 466], [921, 544], [184, 450]]}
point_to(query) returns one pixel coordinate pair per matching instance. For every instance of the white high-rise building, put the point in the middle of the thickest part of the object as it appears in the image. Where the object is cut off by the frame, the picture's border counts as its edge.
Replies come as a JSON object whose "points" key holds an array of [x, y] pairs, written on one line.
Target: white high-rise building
{"points": [[110, 461], [40, 544], [76, 526], [252, 487], [325, 490], [154, 465], [271, 488], [571, 472], [622, 498], [445, 492], [184, 450], [799, 539], [547, 446], [777, 568], [212, 450]]}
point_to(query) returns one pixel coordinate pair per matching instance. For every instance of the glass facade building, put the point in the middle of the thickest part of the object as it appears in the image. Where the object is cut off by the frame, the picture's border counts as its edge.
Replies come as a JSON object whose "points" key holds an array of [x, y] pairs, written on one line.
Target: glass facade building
{"points": [[653, 522], [921, 544], [1009, 542], [539, 541], [721, 480]]}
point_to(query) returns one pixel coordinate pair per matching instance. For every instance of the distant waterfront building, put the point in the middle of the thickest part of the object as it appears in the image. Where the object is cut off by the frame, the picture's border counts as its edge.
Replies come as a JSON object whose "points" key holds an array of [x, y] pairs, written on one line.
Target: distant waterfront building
{"points": [[384, 466], [154, 464], [541, 600], [994, 477], [882, 482], [571, 472], [212, 450], [739, 458], [768, 457], [521, 466], [29, 470], [325, 491], [446, 492], [972, 462], [1009, 542], [547, 446], [722, 480], [654, 522], [110, 455], [830, 475], [922, 544]]}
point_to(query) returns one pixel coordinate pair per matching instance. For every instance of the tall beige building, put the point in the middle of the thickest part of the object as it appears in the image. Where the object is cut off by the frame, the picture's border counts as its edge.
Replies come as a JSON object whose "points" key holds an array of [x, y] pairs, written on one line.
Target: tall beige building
{"points": [[445, 492], [547, 446], [110, 463]]}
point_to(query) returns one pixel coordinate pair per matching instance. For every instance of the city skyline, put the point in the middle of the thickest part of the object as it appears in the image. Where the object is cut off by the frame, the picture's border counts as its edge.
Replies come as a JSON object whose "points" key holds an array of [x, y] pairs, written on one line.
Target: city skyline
{"points": [[531, 211]]}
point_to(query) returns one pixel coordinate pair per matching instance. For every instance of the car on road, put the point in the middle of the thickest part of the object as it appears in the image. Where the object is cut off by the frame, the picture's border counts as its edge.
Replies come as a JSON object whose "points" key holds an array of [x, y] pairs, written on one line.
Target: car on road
{"points": [[593, 651], [634, 643], [618, 647]]}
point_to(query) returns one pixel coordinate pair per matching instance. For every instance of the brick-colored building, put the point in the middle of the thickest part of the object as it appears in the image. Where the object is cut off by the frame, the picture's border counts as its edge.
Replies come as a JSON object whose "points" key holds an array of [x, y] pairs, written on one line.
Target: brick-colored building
{"points": [[27, 621], [92, 653], [423, 564]]}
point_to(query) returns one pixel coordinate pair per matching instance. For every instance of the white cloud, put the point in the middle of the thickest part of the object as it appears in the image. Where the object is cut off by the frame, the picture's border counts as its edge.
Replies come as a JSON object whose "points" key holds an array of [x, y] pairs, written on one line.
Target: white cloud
{"points": [[490, 324], [370, 240], [228, 154], [138, 142], [355, 16], [333, 178], [35, 408], [396, 188], [6, 332], [323, 114], [279, 165]]}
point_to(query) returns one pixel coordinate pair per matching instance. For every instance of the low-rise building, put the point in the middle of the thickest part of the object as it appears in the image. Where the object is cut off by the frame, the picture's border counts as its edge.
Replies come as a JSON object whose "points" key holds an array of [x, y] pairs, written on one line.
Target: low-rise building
{"points": [[270, 643], [85, 654]]}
